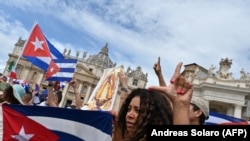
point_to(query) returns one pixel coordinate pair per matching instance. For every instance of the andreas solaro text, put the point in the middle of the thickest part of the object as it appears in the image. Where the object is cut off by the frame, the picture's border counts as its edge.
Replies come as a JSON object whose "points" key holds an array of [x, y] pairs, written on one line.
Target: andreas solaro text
{"points": [[193, 132]]}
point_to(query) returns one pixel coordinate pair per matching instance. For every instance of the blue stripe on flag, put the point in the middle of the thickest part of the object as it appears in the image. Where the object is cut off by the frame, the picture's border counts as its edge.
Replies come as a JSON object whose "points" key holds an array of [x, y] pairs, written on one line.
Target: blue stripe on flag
{"points": [[38, 62], [67, 69], [53, 51], [217, 118], [60, 79], [73, 61]]}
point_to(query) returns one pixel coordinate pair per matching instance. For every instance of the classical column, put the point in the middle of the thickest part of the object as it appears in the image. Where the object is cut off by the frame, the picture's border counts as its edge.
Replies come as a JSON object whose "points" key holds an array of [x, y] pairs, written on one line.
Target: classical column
{"points": [[24, 74], [80, 88], [86, 98], [40, 79], [237, 111], [230, 110]]}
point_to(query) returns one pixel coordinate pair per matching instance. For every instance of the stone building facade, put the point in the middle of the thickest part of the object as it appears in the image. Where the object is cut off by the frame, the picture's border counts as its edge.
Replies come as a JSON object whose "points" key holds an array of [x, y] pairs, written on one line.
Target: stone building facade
{"points": [[224, 93], [88, 73]]}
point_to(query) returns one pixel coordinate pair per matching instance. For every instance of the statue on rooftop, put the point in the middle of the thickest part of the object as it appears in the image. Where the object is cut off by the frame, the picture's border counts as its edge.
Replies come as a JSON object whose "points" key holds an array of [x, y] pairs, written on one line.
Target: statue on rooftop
{"points": [[243, 74], [69, 52], [225, 65], [210, 71]]}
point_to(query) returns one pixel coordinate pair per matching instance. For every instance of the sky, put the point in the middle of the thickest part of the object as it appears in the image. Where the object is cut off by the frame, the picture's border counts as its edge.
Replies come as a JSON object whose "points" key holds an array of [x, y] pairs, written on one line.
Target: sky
{"points": [[137, 32]]}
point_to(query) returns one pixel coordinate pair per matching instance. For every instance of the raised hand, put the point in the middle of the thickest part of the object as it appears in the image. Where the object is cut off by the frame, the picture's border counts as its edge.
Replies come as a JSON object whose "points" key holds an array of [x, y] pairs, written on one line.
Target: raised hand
{"points": [[158, 72], [157, 67]]}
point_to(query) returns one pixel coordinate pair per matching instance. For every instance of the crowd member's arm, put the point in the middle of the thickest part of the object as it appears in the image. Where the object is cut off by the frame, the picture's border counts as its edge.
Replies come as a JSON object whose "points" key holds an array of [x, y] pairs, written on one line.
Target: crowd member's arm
{"points": [[78, 101], [158, 72], [50, 98], [32, 101], [179, 91]]}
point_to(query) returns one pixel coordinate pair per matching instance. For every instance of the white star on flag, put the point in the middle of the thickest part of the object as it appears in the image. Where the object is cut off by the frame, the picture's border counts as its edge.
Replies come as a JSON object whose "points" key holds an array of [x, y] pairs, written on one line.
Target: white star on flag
{"points": [[22, 136], [52, 69], [38, 44]]}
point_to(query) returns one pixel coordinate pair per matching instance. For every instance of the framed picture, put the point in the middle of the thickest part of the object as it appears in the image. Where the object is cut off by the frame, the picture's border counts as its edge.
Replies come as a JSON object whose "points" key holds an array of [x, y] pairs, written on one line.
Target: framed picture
{"points": [[103, 96]]}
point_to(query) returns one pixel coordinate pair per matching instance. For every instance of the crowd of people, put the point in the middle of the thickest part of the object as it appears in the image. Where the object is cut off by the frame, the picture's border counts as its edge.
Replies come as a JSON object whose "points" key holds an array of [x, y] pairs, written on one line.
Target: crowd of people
{"points": [[13, 92], [164, 104]]}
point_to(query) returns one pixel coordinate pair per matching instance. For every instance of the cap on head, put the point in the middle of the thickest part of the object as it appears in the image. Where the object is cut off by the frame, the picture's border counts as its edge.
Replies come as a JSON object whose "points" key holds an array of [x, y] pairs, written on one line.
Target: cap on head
{"points": [[19, 92], [202, 104]]}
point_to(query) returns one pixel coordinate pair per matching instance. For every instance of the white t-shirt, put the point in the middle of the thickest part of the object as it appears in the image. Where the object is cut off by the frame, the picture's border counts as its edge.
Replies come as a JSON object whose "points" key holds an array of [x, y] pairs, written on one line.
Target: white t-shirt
{"points": [[43, 104]]}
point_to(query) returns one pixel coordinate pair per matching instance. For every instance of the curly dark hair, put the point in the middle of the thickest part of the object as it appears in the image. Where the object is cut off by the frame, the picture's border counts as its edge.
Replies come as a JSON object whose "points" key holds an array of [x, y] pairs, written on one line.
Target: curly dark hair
{"points": [[155, 109]]}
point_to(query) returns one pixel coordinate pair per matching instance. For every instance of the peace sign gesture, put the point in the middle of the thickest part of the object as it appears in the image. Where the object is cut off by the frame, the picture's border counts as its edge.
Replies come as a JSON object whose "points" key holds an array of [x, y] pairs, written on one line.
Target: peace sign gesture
{"points": [[179, 91]]}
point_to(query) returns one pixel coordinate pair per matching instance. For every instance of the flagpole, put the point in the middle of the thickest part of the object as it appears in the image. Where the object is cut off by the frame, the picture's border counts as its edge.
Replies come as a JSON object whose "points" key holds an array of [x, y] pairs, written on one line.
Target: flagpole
{"points": [[19, 57]]}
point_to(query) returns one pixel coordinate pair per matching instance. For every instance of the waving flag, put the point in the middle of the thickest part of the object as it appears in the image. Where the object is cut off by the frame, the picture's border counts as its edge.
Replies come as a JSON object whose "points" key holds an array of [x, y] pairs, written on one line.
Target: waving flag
{"points": [[12, 64], [40, 52], [67, 69], [12, 73], [67, 66], [12, 70], [221, 119], [38, 123], [36, 49]]}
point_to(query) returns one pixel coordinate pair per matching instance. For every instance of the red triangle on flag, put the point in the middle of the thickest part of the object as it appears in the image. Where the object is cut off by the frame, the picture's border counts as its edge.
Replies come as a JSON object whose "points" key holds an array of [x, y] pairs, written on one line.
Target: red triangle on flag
{"points": [[53, 69], [36, 45], [17, 126]]}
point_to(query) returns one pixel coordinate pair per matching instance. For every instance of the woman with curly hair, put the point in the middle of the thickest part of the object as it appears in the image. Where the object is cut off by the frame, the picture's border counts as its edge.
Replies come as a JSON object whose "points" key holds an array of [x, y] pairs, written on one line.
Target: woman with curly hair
{"points": [[140, 109], [143, 107]]}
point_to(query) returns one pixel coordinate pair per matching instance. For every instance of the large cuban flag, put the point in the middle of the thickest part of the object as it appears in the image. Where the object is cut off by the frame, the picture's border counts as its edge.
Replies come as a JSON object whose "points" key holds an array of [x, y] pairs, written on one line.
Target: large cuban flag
{"points": [[38, 123], [36, 49], [222, 119]]}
